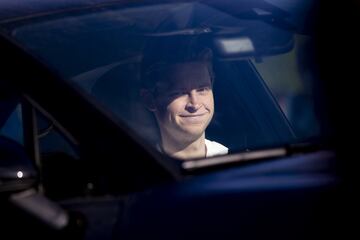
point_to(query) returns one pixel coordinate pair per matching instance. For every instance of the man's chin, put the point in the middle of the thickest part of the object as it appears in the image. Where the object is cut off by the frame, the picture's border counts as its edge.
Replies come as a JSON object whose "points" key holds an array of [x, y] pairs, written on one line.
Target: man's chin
{"points": [[193, 132]]}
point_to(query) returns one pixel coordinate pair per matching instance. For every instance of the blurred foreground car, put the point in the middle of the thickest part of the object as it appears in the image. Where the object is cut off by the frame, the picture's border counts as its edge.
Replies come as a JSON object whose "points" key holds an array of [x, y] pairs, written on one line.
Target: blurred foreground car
{"points": [[78, 149]]}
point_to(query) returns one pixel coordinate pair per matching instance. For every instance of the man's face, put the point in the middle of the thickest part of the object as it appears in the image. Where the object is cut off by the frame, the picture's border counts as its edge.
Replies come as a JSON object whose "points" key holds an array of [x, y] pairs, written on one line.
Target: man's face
{"points": [[184, 104]]}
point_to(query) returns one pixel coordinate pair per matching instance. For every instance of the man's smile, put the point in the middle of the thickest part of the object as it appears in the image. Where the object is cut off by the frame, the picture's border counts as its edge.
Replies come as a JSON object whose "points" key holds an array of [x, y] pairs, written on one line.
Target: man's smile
{"points": [[192, 115], [197, 118]]}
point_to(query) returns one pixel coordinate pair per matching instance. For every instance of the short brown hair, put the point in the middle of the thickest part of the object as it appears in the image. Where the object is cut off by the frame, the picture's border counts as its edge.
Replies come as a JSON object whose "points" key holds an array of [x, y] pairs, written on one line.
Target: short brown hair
{"points": [[162, 54]]}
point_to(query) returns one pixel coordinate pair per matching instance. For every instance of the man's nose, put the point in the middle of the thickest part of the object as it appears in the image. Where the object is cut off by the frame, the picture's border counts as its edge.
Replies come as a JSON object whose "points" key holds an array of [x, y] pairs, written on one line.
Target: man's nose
{"points": [[193, 103]]}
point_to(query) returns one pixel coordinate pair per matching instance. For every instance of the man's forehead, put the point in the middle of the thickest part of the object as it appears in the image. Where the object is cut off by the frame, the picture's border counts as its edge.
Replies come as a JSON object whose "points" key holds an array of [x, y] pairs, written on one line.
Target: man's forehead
{"points": [[185, 74]]}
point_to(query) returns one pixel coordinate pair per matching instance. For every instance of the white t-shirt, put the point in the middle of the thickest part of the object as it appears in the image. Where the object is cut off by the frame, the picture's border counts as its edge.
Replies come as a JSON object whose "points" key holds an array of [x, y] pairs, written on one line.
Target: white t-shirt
{"points": [[214, 148]]}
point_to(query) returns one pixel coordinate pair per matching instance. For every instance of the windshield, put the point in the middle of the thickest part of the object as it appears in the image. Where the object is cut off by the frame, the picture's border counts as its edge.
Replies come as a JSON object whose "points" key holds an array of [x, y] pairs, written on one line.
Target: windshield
{"points": [[187, 77]]}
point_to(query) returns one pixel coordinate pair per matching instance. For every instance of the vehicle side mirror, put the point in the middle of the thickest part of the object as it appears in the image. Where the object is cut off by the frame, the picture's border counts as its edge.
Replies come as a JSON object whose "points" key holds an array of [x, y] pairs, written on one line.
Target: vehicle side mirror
{"points": [[17, 172], [18, 179]]}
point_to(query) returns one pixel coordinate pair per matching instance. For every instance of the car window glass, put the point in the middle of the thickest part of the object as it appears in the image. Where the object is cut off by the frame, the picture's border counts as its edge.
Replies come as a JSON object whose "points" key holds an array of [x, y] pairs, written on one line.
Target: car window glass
{"points": [[261, 99], [51, 140], [13, 127], [60, 162], [291, 81]]}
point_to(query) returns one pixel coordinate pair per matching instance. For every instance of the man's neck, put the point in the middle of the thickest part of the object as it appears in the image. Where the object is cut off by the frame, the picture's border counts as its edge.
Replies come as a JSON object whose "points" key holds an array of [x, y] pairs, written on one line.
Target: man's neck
{"points": [[185, 150]]}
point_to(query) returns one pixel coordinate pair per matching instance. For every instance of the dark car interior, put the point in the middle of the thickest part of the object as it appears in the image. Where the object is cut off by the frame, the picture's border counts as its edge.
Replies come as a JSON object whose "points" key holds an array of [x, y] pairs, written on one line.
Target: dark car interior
{"points": [[246, 114]]}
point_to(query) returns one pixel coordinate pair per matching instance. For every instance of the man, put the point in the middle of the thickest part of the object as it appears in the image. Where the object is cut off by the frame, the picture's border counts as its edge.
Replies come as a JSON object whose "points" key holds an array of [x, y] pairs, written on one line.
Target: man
{"points": [[179, 93]]}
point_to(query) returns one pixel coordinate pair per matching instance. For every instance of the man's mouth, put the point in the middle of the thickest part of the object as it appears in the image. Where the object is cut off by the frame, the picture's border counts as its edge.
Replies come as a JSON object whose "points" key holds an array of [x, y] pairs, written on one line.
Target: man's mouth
{"points": [[192, 115], [193, 118]]}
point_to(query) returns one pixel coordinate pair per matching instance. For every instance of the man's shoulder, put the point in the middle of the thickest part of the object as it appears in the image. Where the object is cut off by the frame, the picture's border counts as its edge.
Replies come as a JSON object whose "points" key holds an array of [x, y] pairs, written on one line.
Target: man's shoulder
{"points": [[214, 148]]}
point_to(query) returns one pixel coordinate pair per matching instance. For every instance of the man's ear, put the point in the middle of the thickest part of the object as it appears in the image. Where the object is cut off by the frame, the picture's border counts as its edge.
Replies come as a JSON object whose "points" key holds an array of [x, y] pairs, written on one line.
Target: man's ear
{"points": [[148, 99]]}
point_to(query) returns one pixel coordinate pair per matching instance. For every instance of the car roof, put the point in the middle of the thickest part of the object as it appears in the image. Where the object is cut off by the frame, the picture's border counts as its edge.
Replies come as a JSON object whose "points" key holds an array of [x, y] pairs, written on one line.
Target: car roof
{"points": [[11, 10]]}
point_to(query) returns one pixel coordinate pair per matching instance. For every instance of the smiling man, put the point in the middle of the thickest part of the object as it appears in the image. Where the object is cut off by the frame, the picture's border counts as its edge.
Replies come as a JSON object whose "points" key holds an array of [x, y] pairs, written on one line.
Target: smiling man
{"points": [[179, 93]]}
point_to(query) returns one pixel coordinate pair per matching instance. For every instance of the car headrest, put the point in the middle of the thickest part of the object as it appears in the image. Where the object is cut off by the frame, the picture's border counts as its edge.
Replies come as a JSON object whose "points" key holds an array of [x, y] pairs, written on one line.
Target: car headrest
{"points": [[119, 91]]}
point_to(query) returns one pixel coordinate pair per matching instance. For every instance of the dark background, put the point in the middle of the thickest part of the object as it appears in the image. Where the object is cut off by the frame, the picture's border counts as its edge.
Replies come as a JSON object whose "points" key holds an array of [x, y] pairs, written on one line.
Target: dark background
{"points": [[337, 48]]}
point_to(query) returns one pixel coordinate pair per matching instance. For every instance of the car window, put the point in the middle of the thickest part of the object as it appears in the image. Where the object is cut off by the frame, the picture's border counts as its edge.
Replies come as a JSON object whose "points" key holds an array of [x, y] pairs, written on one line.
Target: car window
{"points": [[260, 93], [60, 163], [51, 140], [291, 82], [12, 128]]}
